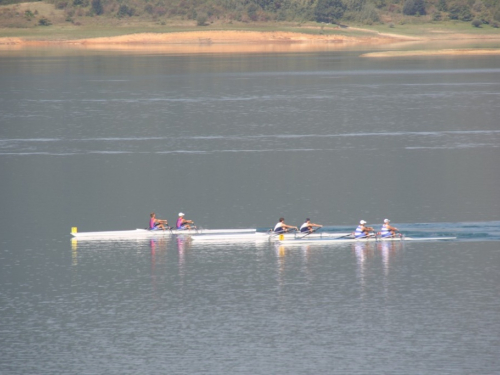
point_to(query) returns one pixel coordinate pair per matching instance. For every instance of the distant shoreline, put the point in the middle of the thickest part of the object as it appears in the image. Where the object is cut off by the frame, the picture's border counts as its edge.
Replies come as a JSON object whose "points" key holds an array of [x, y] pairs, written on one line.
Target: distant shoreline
{"points": [[234, 41], [21, 28], [209, 37]]}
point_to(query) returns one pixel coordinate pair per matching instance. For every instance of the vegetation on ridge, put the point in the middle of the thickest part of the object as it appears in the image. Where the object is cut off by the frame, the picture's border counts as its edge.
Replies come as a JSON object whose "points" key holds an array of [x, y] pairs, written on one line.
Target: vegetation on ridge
{"points": [[477, 13]]}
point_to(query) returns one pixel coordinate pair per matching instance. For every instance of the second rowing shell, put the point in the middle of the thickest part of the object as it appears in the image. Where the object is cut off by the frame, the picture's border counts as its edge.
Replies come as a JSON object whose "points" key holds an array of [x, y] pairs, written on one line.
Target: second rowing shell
{"points": [[263, 236], [329, 241]]}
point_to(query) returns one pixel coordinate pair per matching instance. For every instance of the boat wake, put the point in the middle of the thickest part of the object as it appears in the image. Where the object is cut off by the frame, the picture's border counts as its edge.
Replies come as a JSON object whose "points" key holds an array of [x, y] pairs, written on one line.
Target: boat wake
{"points": [[256, 143], [463, 231]]}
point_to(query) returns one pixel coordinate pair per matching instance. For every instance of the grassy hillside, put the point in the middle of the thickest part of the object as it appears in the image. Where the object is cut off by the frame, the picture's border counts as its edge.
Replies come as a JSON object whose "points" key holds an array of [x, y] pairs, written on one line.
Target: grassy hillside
{"points": [[75, 18]]}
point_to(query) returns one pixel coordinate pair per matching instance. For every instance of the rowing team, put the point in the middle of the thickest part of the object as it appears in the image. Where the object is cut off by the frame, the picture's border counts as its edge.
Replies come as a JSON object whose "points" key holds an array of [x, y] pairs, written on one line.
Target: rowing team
{"points": [[362, 231], [181, 224]]}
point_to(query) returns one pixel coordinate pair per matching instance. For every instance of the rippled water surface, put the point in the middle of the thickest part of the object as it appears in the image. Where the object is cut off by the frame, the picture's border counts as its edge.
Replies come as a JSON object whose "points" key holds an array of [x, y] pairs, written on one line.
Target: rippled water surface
{"points": [[98, 141], [176, 306]]}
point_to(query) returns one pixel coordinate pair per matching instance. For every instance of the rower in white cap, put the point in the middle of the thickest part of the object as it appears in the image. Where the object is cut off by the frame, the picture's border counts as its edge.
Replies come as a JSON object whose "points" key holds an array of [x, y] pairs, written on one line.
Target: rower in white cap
{"points": [[388, 230], [362, 231], [183, 223]]}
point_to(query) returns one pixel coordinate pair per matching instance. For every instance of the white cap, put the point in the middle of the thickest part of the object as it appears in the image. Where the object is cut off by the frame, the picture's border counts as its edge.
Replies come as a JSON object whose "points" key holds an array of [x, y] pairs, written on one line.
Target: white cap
{"points": [[181, 213], [386, 220], [362, 222]]}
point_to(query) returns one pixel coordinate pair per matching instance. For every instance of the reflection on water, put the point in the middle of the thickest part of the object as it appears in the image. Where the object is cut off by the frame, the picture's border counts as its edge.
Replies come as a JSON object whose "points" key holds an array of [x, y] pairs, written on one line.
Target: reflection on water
{"points": [[244, 300], [367, 253], [191, 48], [159, 248], [183, 244], [388, 249], [280, 251], [362, 251], [369, 256], [74, 251]]}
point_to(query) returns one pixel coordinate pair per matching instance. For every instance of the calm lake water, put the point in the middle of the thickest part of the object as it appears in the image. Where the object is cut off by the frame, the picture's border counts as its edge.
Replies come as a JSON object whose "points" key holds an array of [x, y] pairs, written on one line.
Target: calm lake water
{"points": [[99, 140]]}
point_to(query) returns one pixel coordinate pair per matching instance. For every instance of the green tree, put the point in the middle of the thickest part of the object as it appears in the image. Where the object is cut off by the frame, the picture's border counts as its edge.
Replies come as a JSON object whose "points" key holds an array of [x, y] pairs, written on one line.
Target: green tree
{"points": [[97, 7], [329, 11], [442, 6], [414, 7], [125, 11], [252, 11], [460, 11], [466, 15], [354, 5], [379, 3], [368, 14], [454, 10], [81, 3], [264, 4]]}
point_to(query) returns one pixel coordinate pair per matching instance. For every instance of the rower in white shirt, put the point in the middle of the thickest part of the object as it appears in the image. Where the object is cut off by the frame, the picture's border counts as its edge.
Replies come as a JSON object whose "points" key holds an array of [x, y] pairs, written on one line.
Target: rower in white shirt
{"points": [[308, 226], [387, 230], [362, 231], [281, 227]]}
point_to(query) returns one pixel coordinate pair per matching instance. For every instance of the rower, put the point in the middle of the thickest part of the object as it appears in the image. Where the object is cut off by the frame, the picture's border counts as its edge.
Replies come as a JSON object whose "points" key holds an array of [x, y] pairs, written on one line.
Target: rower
{"points": [[362, 231], [308, 226], [155, 223], [388, 230], [281, 227], [183, 223]]}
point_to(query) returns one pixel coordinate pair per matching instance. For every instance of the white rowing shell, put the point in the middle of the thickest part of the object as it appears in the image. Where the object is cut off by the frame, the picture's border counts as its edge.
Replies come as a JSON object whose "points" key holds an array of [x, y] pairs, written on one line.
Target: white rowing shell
{"points": [[327, 241], [144, 233], [264, 236]]}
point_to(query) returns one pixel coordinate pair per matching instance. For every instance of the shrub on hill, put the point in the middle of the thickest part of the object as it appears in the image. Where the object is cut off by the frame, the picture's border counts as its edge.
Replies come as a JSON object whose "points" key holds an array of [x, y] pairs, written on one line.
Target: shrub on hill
{"points": [[44, 22]]}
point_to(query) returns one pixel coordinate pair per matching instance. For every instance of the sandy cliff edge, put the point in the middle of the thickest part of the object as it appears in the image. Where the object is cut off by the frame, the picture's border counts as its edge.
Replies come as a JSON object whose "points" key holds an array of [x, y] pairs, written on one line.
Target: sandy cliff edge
{"points": [[213, 37], [227, 41]]}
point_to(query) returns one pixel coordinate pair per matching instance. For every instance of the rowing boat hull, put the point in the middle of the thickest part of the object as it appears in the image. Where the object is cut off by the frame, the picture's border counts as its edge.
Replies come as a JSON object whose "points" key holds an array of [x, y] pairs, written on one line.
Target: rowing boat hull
{"points": [[144, 233], [330, 241], [262, 236]]}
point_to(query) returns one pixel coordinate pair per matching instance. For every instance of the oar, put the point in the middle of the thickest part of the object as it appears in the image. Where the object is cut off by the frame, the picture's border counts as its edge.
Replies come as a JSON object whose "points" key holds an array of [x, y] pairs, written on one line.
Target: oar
{"points": [[351, 235], [167, 227], [193, 227], [314, 230], [275, 234]]}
